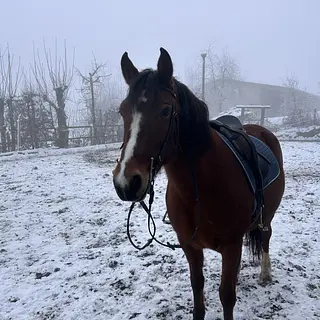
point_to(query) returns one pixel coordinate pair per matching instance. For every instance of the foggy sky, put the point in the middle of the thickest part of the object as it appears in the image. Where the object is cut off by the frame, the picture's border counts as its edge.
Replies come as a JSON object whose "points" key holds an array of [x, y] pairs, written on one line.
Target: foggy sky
{"points": [[267, 37]]}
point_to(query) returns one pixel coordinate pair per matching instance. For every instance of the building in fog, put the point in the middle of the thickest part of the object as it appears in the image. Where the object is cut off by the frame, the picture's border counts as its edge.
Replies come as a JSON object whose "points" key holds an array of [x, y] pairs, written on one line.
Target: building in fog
{"points": [[224, 94]]}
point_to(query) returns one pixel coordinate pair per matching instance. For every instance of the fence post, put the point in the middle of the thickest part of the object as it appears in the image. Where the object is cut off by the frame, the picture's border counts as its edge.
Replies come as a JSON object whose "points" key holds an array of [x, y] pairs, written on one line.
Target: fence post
{"points": [[242, 115], [18, 132], [263, 114], [92, 134]]}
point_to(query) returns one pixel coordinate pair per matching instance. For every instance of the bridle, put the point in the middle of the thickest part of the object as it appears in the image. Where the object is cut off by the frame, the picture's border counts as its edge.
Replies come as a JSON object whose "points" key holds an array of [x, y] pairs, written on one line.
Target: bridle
{"points": [[156, 163], [155, 166]]}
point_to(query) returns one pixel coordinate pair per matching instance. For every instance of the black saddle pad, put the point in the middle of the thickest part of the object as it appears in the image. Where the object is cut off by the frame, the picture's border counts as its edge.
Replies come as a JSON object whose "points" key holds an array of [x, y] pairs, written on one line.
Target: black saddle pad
{"points": [[268, 163]]}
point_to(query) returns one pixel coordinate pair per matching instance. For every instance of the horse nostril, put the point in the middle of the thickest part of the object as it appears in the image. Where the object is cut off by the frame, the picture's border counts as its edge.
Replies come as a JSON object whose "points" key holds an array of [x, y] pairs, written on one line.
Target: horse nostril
{"points": [[130, 191], [135, 183]]}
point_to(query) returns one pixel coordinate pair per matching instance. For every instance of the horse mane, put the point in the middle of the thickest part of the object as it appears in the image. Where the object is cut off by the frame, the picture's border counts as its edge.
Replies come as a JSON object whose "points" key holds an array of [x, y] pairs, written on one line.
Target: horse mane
{"points": [[194, 129], [195, 132]]}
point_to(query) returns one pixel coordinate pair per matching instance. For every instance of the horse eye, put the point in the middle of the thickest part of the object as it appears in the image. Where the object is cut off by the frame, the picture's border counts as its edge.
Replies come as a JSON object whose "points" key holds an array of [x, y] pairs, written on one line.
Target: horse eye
{"points": [[165, 112]]}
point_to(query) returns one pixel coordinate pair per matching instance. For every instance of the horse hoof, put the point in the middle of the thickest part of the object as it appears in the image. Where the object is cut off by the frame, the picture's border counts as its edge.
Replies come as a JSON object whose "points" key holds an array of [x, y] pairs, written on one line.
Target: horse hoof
{"points": [[198, 315], [265, 279]]}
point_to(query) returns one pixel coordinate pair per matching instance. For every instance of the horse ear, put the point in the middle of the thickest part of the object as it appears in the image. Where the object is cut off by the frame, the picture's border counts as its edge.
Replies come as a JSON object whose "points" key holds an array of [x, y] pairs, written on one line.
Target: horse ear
{"points": [[165, 67], [129, 71]]}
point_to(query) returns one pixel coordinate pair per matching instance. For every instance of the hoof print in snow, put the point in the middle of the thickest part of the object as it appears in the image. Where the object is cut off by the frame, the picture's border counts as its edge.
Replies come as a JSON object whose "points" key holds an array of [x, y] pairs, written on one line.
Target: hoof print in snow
{"points": [[13, 299], [146, 253], [313, 290], [113, 264], [121, 285], [117, 239], [63, 210], [98, 244], [89, 255], [40, 275]]}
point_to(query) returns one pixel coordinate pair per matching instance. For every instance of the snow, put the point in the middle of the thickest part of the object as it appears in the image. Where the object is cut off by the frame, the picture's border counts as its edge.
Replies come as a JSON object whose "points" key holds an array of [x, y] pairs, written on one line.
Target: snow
{"points": [[276, 125], [276, 120], [64, 253], [309, 133], [234, 111]]}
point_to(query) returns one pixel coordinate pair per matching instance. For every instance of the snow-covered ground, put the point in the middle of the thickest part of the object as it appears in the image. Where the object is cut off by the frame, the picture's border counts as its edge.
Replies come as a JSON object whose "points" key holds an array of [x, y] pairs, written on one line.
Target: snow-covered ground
{"points": [[64, 253], [310, 133], [284, 132]]}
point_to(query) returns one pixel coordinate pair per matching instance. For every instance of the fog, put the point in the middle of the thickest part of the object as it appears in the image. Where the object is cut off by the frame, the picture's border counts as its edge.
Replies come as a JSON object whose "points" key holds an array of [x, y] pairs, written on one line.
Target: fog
{"points": [[268, 39], [265, 46], [64, 250]]}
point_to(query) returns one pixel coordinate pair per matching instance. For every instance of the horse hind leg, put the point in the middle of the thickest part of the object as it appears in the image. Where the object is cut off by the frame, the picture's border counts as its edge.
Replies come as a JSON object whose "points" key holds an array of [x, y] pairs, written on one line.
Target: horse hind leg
{"points": [[265, 275], [259, 246]]}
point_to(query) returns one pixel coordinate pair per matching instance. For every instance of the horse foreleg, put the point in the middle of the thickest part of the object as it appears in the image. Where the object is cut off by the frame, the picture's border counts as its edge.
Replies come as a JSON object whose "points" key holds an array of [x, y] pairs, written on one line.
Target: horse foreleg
{"points": [[265, 275], [195, 259], [231, 257]]}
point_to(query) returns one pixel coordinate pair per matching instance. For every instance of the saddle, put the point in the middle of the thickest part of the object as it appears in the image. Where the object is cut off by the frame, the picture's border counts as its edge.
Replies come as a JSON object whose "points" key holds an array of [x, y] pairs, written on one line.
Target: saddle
{"points": [[257, 166], [260, 165], [230, 121]]}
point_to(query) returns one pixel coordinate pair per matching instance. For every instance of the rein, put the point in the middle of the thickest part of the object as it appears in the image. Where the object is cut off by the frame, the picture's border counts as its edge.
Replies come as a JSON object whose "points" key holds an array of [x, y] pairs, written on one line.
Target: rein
{"points": [[154, 168]]}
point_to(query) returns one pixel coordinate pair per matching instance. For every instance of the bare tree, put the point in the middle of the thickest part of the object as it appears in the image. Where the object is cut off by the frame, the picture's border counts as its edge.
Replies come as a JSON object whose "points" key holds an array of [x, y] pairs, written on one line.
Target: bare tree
{"points": [[112, 93], [10, 80], [193, 80], [54, 79], [33, 113], [90, 82], [3, 92], [222, 70], [297, 104]]}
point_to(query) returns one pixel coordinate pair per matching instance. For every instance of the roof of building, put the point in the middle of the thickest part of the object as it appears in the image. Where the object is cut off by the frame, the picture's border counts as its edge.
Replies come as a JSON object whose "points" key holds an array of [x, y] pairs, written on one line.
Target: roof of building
{"points": [[276, 87]]}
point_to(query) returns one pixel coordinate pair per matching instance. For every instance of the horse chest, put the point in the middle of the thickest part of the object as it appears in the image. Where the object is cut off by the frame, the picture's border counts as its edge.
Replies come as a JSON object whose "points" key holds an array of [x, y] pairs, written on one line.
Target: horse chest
{"points": [[211, 232]]}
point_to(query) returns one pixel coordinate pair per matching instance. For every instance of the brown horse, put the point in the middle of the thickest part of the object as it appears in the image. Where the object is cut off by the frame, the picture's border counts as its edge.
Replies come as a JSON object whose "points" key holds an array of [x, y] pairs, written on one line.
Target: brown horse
{"points": [[209, 200]]}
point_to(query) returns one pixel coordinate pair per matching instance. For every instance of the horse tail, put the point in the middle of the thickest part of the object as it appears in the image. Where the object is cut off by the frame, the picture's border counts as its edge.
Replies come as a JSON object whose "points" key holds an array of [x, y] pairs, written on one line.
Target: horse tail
{"points": [[254, 241]]}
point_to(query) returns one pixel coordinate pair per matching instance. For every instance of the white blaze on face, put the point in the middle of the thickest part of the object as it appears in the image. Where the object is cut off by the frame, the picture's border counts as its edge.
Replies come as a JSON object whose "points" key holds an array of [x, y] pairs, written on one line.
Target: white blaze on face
{"points": [[129, 150]]}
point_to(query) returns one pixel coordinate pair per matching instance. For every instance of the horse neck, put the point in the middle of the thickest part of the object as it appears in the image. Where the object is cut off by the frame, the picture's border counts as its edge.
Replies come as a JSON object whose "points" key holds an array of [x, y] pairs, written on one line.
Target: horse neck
{"points": [[180, 170]]}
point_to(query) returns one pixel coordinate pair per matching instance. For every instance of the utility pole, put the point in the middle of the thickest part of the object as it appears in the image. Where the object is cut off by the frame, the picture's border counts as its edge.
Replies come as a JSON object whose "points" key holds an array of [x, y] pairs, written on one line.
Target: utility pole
{"points": [[203, 55]]}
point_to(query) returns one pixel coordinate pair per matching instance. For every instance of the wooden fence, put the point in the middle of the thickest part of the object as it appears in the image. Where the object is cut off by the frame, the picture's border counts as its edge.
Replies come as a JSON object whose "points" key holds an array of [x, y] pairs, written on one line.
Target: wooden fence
{"points": [[79, 136], [83, 135]]}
